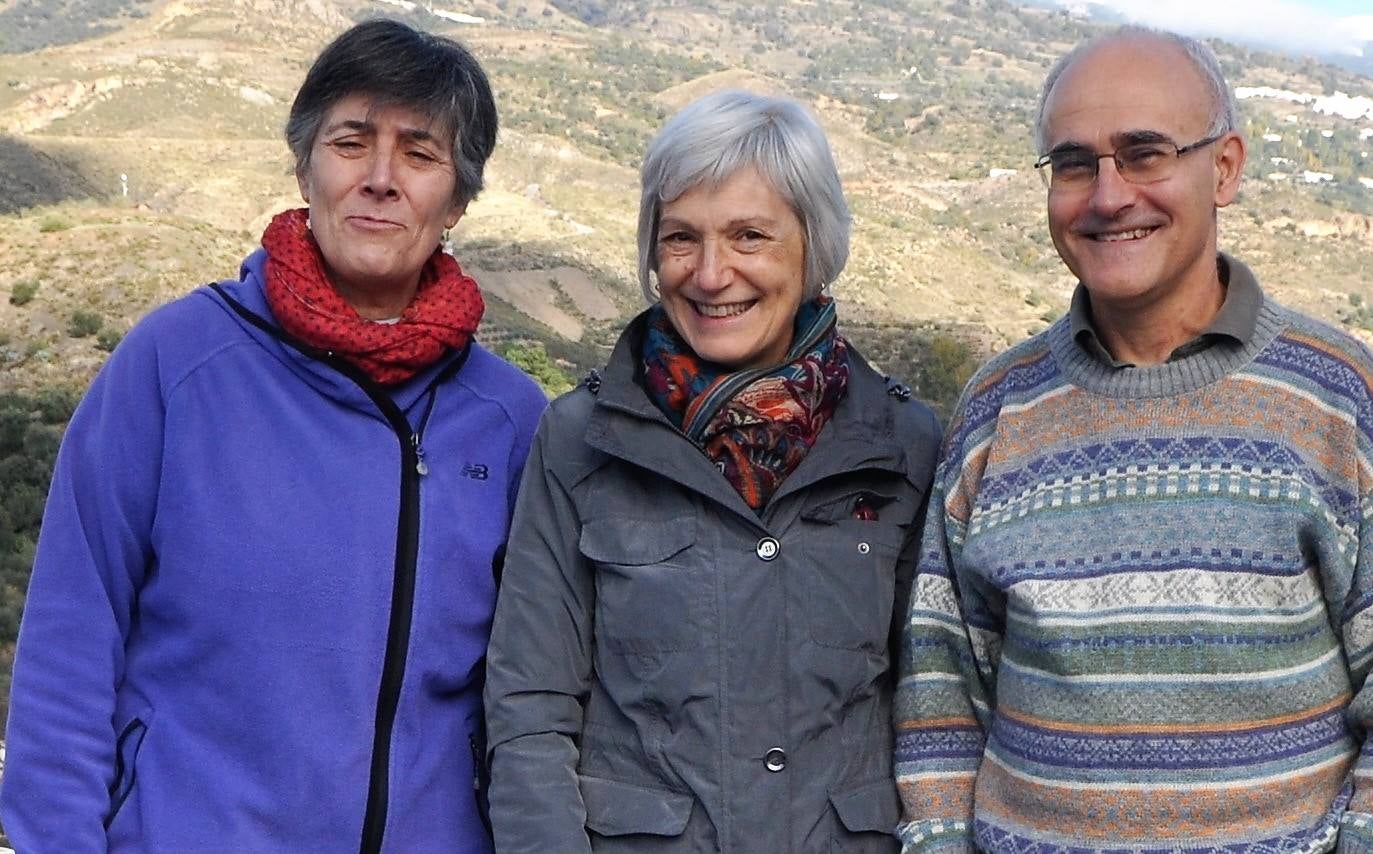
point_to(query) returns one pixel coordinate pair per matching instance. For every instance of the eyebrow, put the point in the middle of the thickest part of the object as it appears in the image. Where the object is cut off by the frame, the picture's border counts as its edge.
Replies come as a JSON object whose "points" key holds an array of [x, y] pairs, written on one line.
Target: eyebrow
{"points": [[1124, 138], [669, 222], [364, 126]]}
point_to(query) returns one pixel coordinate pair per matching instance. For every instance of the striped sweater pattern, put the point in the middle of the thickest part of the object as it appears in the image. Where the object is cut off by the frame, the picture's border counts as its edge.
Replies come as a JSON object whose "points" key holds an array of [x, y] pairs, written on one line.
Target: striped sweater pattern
{"points": [[1141, 621]]}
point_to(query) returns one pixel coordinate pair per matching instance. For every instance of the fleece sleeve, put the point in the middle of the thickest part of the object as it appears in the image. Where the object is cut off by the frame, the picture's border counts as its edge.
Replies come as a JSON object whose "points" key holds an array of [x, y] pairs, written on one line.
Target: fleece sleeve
{"points": [[539, 668], [945, 689], [93, 552]]}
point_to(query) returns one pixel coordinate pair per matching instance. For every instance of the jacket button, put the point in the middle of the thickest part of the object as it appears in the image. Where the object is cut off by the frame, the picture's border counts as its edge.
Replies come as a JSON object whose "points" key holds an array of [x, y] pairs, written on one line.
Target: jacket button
{"points": [[775, 759], [768, 547]]}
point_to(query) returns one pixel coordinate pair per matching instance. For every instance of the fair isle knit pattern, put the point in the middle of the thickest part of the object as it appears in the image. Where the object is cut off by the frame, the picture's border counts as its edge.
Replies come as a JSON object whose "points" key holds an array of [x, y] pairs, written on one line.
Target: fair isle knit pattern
{"points": [[1142, 618]]}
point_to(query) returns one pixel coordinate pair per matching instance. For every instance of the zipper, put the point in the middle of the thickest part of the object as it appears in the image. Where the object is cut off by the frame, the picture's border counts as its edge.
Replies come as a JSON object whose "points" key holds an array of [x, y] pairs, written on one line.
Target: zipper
{"points": [[480, 781], [125, 772], [412, 468]]}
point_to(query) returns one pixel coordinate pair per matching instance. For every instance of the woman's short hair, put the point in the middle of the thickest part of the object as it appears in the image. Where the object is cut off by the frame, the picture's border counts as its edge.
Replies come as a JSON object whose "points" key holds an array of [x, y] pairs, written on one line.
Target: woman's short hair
{"points": [[399, 66], [714, 137]]}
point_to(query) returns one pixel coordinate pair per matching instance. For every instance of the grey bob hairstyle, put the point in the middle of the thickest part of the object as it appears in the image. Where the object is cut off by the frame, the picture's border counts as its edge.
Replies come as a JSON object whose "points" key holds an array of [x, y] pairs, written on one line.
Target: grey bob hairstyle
{"points": [[400, 66], [714, 137]]}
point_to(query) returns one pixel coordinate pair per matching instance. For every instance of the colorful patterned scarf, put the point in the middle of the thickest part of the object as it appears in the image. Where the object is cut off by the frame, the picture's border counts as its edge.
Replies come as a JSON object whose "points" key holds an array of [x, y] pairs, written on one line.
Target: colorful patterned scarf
{"points": [[755, 425], [443, 315]]}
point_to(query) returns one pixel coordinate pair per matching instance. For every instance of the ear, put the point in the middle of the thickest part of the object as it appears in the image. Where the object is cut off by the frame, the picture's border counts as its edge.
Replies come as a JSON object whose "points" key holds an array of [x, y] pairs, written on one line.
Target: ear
{"points": [[1231, 153], [303, 182], [454, 214]]}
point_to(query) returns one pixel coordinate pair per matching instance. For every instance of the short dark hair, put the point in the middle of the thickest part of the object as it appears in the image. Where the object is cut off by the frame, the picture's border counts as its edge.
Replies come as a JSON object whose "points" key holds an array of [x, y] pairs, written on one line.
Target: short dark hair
{"points": [[398, 65]]}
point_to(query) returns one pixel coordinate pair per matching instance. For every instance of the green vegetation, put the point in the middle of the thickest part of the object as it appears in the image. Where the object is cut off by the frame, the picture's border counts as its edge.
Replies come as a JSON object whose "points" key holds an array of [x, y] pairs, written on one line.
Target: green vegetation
{"points": [[533, 359], [84, 322], [30, 24], [1358, 314], [54, 222], [935, 363], [23, 292], [30, 430], [108, 338]]}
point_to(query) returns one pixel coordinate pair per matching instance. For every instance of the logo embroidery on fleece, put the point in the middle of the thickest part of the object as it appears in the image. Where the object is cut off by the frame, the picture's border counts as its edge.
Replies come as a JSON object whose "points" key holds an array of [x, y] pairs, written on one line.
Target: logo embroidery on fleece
{"points": [[476, 471]]}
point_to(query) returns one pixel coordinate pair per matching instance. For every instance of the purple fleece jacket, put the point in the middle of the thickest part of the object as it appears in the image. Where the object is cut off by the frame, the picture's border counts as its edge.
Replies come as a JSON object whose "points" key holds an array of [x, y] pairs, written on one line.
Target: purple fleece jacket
{"points": [[253, 624]]}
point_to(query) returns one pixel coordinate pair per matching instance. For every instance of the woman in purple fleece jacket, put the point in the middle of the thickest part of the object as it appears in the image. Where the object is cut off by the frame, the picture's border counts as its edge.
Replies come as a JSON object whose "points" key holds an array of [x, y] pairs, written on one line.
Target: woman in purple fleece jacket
{"points": [[259, 610]]}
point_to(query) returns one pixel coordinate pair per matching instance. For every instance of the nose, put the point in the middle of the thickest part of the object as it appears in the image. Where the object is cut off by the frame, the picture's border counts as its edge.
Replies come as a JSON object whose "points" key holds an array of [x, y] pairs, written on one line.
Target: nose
{"points": [[713, 272], [1110, 191], [379, 180]]}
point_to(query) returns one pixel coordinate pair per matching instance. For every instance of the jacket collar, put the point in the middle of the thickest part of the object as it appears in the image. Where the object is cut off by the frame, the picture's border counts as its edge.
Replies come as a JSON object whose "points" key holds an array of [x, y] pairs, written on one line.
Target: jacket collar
{"points": [[626, 424], [248, 292]]}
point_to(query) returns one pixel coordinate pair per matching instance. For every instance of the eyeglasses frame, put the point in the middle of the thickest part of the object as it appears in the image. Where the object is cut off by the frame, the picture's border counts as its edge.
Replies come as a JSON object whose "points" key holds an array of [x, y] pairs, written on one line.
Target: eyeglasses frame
{"points": [[1047, 179]]}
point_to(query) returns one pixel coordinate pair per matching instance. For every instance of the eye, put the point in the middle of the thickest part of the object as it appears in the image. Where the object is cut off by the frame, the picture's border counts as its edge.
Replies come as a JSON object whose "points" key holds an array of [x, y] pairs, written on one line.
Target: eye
{"points": [[1072, 164], [422, 155], [1144, 157], [676, 238]]}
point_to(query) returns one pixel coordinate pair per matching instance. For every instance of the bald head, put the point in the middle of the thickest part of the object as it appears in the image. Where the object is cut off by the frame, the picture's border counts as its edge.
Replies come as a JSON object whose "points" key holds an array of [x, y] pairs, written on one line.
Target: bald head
{"points": [[1131, 41]]}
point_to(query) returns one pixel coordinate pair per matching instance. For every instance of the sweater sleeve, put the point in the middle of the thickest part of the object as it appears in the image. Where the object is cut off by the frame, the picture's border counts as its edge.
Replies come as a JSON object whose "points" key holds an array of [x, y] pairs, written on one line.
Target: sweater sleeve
{"points": [[93, 552], [943, 699], [539, 668], [1356, 624]]}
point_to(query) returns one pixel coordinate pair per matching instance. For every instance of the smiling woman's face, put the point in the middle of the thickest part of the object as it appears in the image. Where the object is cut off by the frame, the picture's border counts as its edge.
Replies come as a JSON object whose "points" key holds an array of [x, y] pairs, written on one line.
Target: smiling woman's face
{"points": [[380, 186], [731, 270]]}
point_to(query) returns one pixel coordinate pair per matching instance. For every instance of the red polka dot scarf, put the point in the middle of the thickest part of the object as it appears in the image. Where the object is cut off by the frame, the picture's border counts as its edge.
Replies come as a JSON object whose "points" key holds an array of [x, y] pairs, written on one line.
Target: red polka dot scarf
{"points": [[443, 315]]}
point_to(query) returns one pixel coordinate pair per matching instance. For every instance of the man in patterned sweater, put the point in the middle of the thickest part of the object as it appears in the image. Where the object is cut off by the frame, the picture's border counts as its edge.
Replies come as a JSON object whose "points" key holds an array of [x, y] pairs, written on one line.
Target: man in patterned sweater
{"points": [[1143, 619]]}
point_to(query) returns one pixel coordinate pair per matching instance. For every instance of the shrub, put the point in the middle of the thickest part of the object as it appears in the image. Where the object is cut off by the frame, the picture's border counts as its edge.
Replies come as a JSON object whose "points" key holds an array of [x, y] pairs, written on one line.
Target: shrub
{"points": [[23, 292], [108, 338], [533, 359], [84, 323], [53, 222]]}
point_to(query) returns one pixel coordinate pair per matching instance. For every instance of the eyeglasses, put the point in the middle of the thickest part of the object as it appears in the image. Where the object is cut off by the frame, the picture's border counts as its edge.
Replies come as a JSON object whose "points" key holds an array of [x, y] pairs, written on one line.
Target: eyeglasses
{"points": [[1138, 163]]}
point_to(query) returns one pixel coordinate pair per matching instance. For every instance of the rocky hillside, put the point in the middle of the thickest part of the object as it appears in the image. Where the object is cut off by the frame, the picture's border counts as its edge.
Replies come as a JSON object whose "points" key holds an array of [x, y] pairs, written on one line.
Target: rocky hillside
{"points": [[145, 160]]}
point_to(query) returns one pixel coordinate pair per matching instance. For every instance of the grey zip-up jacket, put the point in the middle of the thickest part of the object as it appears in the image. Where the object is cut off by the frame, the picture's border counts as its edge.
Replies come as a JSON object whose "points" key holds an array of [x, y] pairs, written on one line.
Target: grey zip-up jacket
{"points": [[670, 671]]}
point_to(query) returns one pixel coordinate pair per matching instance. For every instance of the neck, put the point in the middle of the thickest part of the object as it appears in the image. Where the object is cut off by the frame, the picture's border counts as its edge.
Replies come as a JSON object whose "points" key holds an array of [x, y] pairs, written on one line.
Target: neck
{"points": [[379, 302], [1146, 331]]}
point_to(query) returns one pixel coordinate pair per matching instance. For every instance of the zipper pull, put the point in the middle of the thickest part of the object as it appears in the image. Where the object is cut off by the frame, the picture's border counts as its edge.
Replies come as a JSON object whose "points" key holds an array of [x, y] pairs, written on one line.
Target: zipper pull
{"points": [[420, 465]]}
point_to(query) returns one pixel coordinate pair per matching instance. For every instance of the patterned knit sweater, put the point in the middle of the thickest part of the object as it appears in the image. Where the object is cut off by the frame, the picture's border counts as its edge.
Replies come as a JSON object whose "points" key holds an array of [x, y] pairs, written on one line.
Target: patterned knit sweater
{"points": [[1142, 618]]}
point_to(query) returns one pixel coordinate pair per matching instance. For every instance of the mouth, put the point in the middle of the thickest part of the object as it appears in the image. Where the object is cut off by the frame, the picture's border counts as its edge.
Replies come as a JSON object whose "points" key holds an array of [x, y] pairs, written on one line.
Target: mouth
{"points": [[1123, 236], [373, 222], [731, 309]]}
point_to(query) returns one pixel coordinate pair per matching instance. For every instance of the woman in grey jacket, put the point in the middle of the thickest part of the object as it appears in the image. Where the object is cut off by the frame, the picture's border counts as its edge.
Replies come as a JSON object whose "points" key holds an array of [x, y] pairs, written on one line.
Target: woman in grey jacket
{"points": [[692, 648]]}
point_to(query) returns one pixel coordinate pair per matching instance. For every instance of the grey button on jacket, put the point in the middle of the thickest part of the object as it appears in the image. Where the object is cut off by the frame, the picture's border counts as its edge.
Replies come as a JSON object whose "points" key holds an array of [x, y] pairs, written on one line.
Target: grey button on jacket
{"points": [[670, 671]]}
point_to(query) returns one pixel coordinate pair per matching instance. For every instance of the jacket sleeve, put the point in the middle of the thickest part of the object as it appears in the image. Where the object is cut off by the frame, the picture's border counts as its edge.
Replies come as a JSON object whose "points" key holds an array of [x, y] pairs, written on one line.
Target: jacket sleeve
{"points": [[93, 552], [539, 667], [943, 700], [924, 457]]}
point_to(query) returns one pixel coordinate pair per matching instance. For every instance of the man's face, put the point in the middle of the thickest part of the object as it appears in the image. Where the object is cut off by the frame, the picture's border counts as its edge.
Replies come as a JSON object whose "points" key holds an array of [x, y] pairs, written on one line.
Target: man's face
{"points": [[1133, 245]]}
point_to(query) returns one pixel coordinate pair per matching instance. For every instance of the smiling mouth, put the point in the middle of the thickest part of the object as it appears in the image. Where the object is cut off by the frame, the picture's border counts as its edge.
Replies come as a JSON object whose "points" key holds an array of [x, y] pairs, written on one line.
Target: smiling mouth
{"points": [[1118, 236], [733, 309]]}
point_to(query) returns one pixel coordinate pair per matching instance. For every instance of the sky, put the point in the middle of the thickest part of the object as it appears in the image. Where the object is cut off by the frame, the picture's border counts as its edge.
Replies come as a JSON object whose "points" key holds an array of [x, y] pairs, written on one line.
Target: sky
{"points": [[1303, 26]]}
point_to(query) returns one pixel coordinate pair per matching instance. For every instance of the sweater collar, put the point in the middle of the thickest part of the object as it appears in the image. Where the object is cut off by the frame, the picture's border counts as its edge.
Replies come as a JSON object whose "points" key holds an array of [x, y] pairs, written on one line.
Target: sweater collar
{"points": [[1236, 322], [1191, 371]]}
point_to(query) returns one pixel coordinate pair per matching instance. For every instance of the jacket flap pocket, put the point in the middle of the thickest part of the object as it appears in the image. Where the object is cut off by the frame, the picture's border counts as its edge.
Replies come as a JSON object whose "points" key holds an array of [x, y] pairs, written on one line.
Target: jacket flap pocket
{"points": [[635, 542], [846, 506], [872, 807], [616, 809]]}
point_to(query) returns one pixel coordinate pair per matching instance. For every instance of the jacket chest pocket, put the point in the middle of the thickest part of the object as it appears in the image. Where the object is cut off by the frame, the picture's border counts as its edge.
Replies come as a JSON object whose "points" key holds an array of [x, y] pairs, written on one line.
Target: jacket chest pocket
{"points": [[652, 593], [852, 545]]}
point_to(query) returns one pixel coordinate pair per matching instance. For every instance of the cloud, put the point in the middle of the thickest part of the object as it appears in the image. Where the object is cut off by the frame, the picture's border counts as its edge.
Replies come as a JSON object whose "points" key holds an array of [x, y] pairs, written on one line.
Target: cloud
{"points": [[1279, 23]]}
